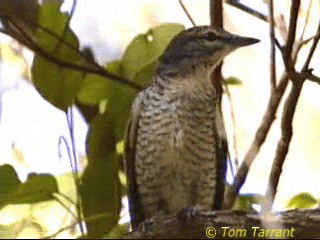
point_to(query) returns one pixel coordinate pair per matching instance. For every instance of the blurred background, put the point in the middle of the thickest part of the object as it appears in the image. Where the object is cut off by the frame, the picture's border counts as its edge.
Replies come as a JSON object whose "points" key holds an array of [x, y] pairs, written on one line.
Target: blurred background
{"points": [[30, 127]]}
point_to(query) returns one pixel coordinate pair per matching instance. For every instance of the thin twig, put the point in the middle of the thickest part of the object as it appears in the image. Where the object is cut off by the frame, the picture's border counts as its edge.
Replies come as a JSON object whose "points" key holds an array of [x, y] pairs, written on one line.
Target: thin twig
{"points": [[312, 49], [272, 47], [67, 208], [294, 11], [88, 219], [28, 41], [242, 7], [286, 122], [306, 20], [187, 13], [62, 140], [66, 198], [288, 111], [283, 144], [67, 24], [216, 20], [234, 127], [262, 131], [70, 122]]}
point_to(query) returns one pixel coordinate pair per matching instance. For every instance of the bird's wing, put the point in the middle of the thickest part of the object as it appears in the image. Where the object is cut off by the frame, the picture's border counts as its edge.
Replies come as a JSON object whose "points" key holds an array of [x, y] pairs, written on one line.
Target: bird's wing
{"points": [[135, 209], [222, 154]]}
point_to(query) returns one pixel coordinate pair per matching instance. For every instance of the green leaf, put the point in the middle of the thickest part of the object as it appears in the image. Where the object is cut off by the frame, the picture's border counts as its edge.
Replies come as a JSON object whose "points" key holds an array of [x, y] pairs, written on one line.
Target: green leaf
{"points": [[118, 231], [302, 200], [21, 12], [119, 97], [37, 188], [101, 189], [8, 184], [95, 89], [137, 64], [55, 21], [8, 231], [56, 83], [232, 81], [146, 48], [244, 202]]}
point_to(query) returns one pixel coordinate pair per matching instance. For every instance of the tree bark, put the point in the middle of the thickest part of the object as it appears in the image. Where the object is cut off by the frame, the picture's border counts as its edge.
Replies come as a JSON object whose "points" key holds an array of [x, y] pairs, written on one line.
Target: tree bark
{"points": [[294, 224]]}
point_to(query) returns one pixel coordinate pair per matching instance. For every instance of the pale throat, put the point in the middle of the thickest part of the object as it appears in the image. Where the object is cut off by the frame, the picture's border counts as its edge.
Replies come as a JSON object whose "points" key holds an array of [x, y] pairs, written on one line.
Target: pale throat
{"points": [[199, 79]]}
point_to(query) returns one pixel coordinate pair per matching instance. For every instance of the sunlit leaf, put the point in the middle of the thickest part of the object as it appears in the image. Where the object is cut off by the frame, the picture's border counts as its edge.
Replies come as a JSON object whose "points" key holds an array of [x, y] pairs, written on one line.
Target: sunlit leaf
{"points": [[118, 96], [118, 231], [7, 231], [233, 81], [146, 48], [61, 41], [95, 89], [56, 83], [9, 182], [100, 189], [37, 188], [244, 202], [302, 200]]}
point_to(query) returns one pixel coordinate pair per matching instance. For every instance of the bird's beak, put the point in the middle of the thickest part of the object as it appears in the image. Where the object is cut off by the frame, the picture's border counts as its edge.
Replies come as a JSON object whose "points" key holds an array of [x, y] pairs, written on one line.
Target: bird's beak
{"points": [[239, 41]]}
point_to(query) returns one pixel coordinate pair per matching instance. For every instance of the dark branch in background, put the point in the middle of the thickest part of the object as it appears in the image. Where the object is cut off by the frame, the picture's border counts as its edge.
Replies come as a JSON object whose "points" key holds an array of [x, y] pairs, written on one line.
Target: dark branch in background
{"points": [[242, 7], [91, 67], [272, 47], [187, 13], [295, 5], [216, 20], [263, 130]]}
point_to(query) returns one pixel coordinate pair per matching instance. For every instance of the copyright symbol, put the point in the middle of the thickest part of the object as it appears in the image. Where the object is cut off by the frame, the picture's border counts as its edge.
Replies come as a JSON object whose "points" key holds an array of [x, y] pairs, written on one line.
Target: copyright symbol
{"points": [[211, 232]]}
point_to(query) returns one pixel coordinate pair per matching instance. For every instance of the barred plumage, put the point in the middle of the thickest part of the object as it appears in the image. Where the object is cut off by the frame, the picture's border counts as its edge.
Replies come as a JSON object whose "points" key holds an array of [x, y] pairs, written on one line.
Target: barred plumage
{"points": [[176, 145]]}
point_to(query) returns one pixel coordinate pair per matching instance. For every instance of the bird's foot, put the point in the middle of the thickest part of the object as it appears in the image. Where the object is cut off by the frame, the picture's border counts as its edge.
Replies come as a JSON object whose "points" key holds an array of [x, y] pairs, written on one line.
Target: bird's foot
{"points": [[188, 213], [145, 225]]}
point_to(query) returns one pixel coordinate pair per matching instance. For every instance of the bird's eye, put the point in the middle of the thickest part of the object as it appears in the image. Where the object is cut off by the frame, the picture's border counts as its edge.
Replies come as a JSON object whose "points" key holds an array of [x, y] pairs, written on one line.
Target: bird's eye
{"points": [[210, 36]]}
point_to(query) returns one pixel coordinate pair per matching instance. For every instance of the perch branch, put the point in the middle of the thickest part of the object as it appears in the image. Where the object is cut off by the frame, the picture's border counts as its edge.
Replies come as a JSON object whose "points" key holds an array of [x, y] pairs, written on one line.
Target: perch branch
{"points": [[216, 224]]}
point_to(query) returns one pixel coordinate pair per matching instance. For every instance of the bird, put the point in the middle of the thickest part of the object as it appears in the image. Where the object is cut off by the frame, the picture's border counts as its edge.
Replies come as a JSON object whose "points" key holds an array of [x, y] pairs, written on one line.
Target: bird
{"points": [[175, 153]]}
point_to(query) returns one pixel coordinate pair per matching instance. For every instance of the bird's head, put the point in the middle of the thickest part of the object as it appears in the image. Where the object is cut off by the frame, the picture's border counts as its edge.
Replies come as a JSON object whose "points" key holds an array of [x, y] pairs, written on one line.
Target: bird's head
{"points": [[201, 47]]}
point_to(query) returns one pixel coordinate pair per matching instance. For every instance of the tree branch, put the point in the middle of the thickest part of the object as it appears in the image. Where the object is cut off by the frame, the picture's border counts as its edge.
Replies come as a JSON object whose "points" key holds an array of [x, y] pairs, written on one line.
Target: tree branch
{"points": [[267, 120], [216, 20], [92, 67], [242, 7], [286, 124], [272, 47], [187, 13], [240, 225]]}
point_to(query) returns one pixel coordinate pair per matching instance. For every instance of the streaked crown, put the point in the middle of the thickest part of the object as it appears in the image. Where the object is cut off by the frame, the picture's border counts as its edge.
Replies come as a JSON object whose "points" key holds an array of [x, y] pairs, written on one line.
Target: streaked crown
{"points": [[201, 46]]}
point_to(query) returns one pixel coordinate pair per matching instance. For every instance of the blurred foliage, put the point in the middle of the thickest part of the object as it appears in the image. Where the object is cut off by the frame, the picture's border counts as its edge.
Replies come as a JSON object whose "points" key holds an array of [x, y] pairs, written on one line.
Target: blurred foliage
{"points": [[37, 188], [232, 81], [245, 202], [104, 103], [303, 200]]}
